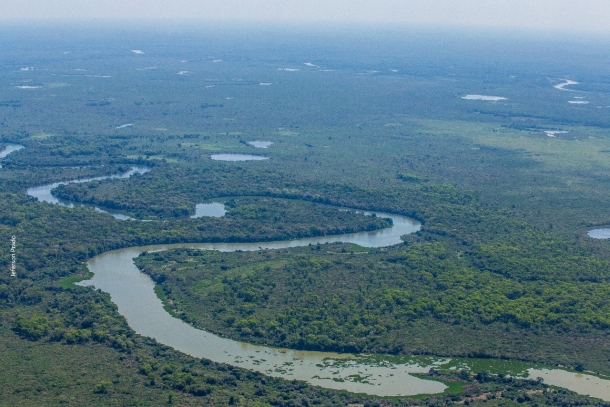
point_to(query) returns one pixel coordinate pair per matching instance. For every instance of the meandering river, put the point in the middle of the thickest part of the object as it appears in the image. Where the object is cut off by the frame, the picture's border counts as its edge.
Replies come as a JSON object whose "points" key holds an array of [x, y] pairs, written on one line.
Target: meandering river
{"points": [[43, 192], [132, 291]]}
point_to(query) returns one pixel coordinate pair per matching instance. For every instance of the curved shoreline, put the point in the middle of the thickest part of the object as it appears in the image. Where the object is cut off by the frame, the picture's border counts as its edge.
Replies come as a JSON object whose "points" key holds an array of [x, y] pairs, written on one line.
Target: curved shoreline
{"points": [[599, 233], [382, 375], [43, 192], [10, 148], [132, 291]]}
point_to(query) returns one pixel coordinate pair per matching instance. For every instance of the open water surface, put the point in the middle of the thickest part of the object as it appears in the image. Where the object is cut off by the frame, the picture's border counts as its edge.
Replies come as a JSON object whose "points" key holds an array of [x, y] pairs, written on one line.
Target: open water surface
{"points": [[9, 149], [237, 157], [383, 375], [214, 209], [43, 192]]}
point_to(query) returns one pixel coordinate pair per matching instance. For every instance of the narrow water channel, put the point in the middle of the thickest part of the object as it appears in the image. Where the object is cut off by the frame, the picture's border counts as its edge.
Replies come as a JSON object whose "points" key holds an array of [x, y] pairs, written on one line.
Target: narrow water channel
{"points": [[43, 192], [11, 148]]}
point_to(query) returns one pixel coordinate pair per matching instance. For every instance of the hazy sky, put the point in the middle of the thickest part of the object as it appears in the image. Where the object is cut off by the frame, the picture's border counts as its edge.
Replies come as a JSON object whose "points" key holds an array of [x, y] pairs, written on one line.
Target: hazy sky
{"points": [[568, 15]]}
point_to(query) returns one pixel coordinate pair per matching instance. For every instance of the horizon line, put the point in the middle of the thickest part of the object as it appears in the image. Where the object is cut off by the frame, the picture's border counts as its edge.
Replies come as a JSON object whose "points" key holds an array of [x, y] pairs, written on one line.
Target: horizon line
{"points": [[175, 22]]}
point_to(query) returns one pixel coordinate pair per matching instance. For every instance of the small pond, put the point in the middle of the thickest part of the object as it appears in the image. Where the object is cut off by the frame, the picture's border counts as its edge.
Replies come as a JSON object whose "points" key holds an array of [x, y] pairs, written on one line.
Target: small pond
{"points": [[237, 157], [483, 97], [214, 209], [260, 144]]}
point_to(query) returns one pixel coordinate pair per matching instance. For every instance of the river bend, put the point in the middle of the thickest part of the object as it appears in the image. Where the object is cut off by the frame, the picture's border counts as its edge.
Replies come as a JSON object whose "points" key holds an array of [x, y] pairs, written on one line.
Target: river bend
{"points": [[133, 293]]}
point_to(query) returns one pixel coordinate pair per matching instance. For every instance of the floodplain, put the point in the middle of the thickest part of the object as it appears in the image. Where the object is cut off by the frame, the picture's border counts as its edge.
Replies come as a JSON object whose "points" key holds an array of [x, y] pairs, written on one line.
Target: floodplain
{"points": [[507, 191]]}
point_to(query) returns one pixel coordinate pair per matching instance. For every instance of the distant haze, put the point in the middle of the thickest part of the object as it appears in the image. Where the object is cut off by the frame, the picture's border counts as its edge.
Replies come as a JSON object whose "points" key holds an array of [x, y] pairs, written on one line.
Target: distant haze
{"points": [[564, 15]]}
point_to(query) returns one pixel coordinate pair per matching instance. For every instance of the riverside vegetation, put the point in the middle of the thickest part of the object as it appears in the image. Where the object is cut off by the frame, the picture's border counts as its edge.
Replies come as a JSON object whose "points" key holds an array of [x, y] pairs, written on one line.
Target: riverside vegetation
{"points": [[501, 268]]}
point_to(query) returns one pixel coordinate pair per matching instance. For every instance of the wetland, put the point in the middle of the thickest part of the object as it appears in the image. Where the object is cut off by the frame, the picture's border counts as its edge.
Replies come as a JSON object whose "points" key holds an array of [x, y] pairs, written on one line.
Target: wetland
{"points": [[493, 282]]}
